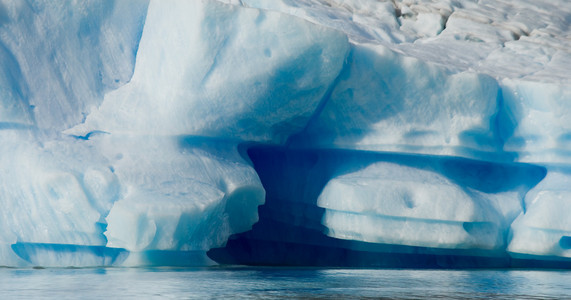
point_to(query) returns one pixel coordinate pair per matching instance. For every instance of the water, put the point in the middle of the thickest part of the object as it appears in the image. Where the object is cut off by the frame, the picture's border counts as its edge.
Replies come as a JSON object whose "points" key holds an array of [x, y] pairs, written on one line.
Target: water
{"points": [[280, 283]]}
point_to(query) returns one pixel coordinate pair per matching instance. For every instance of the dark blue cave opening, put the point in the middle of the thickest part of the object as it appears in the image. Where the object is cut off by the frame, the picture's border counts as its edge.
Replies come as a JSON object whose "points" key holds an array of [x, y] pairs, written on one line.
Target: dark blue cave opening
{"points": [[289, 231]]}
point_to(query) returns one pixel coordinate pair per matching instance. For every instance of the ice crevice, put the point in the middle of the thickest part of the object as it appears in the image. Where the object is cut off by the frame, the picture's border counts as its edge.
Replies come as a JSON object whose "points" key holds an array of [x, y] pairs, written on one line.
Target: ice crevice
{"points": [[292, 140]]}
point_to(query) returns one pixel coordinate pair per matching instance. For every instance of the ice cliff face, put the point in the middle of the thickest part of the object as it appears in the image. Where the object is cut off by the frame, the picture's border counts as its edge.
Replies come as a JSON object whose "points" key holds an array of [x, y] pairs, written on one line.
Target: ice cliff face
{"points": [[308, 132]]}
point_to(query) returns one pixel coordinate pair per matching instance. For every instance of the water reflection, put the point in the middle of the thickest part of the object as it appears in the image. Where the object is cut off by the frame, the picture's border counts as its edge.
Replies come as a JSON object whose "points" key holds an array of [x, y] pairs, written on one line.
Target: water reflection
{"points": [[273, 283]]}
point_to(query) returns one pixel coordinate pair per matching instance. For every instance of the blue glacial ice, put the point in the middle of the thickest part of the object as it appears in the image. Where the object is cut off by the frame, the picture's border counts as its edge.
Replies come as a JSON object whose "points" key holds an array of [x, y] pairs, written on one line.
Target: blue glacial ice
{"points": [[288, 132]]}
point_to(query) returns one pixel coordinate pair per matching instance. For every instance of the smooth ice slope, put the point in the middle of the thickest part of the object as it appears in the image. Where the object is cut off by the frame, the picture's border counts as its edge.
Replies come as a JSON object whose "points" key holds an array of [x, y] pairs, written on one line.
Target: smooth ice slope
{"points": [[328, 132], [225, 72], [388, 102], [59, 59]]}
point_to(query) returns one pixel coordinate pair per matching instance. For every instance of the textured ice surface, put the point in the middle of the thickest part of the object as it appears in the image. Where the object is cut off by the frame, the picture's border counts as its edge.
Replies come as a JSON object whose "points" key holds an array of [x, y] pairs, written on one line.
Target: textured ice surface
{"points": [[324, 132], [392, 204]]}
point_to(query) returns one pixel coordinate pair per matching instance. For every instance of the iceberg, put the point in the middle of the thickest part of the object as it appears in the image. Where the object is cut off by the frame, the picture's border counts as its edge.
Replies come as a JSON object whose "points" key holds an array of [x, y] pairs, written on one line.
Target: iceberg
{"points": [[291, 132]]}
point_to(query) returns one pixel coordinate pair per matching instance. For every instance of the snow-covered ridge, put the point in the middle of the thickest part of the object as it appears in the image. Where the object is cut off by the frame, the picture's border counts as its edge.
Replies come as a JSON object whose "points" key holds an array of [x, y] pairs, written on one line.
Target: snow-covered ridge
{"points": [[505, 39], [390, 133]]}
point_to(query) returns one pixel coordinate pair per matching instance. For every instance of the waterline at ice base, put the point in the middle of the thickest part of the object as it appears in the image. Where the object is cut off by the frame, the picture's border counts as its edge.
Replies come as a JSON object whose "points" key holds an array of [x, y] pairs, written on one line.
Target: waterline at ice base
{"points": [[357, 133]]}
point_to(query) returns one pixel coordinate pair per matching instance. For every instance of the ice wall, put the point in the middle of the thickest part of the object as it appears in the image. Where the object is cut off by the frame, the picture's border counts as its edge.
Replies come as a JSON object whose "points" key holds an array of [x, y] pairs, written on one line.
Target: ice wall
{"points": [[308, 132], [482, 82]]}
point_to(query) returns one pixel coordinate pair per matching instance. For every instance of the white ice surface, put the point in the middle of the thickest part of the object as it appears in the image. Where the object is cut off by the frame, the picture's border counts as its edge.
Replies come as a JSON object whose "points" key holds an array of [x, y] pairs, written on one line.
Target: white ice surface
{"points": [[61, 58], [225, 72], [513, 39], [388, 102], [545, 227], [393, 204]]}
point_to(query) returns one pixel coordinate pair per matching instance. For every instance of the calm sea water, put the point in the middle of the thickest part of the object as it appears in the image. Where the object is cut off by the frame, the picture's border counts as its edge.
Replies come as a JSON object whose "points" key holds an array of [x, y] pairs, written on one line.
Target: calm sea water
{"points": [[280, 283]]}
